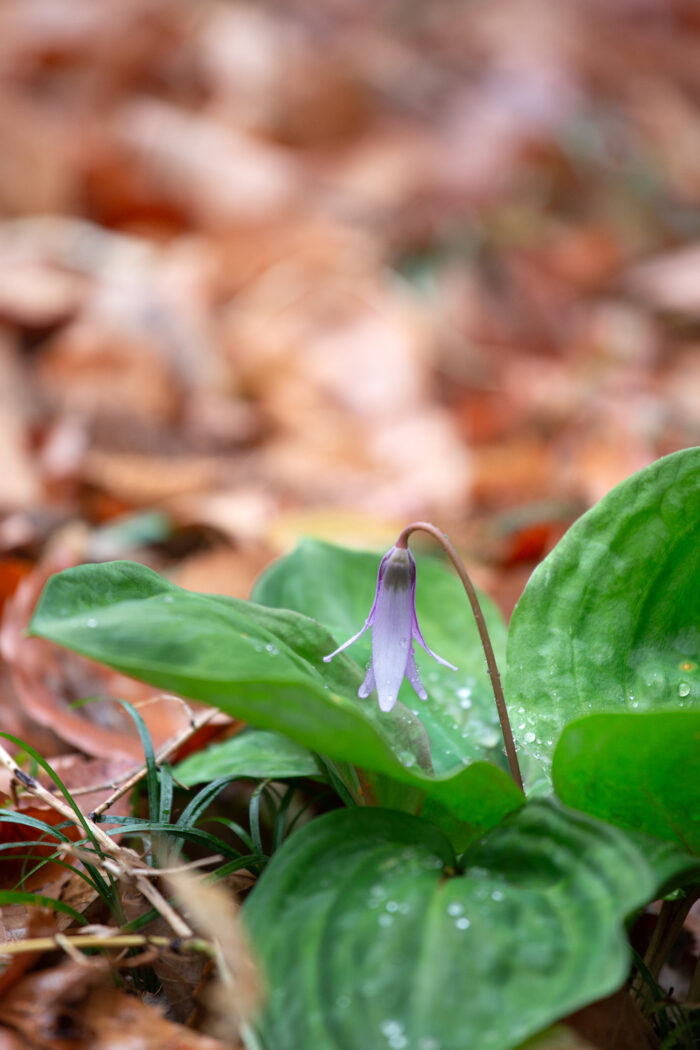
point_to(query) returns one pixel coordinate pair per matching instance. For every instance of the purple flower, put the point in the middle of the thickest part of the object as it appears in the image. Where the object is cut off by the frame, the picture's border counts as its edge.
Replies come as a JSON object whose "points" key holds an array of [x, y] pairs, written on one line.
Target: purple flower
{"points": [[394, 629]]}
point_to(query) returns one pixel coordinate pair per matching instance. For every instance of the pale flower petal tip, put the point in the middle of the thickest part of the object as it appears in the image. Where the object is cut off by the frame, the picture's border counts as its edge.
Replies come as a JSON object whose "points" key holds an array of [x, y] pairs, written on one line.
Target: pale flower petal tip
{"points": [[394, 629]]}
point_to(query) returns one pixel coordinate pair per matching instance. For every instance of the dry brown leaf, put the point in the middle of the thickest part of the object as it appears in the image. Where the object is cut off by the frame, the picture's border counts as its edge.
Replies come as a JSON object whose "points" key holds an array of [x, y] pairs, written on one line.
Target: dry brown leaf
{"points": [[513, 472], [96, 372], [115, 1021], [681, 391], [33, 296], [670, 281], [267, 74], [235, 994], [242, 515], [222, 571], [213, 171], [47, 679], [8, 1041], [21, 486], [615, 1023], [72, 1007], [30, 134]]}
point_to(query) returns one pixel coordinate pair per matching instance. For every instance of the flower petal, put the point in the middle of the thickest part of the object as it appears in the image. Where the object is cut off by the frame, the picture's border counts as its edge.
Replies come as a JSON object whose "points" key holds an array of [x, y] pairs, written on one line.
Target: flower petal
{"points": [[391, 628], [368, 685], [417, 635], [349, 642], [414, 677], [370, 618]]}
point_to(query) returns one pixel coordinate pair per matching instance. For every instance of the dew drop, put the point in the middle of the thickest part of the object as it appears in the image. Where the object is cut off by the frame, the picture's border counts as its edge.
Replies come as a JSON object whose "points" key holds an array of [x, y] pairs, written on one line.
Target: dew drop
{"points": [[683, 688], [91, 622], [530, 738], [391, 1028], [454, 908], [463, 923], [386, 920]]}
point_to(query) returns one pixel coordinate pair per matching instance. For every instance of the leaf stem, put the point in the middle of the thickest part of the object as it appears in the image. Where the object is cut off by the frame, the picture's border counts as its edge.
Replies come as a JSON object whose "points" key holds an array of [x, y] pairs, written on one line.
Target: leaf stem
{"points": [[668, 926], [694, 989], [425, 526]]}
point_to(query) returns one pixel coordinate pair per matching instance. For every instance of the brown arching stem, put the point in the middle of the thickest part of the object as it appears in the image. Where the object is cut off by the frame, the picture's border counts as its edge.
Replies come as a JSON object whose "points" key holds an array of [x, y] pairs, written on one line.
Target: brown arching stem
{"points": [[425, 526]]}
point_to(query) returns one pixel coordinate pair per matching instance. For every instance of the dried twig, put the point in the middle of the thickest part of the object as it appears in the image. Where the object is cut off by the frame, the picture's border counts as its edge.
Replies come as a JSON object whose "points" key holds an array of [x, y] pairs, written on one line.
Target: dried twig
{"points": [[119, 940], [168, 749]]}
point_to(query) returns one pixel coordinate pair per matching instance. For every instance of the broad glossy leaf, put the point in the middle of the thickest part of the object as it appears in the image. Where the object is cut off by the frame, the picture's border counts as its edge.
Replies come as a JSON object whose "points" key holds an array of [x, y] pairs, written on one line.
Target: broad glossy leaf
{"points": [[371, 934], [261, 665], [610, 620], [336, 587], [253, 753], [639, 771]]}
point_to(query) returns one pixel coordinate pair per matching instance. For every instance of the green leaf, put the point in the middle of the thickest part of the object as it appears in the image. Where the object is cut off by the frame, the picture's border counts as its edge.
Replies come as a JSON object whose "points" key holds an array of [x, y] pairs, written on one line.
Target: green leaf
{"points": [[264, 666], [368, 937], [38, 900], [639, 771], [254, 753], [610, 620], [336, 587]]}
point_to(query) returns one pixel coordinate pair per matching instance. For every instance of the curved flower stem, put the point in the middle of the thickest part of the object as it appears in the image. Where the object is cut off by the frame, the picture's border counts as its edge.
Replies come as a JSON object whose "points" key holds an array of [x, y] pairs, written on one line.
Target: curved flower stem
{"points": [[425, 526]]}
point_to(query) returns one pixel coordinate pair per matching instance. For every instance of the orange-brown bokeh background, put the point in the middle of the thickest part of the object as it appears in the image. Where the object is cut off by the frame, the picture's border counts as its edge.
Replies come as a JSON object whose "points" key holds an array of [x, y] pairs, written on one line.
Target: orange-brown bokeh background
{"points": [[323, 267], [275, 268]]}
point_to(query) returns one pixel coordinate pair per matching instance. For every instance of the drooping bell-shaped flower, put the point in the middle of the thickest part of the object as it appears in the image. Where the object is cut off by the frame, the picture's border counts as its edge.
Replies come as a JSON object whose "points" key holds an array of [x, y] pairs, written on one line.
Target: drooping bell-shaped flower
{"points": [[394, 629]]}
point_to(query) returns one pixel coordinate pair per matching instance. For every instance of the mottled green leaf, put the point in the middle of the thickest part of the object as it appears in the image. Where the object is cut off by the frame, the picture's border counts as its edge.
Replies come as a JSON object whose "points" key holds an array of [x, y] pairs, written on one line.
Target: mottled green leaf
{"points": [[371, 934], [610, 620]]}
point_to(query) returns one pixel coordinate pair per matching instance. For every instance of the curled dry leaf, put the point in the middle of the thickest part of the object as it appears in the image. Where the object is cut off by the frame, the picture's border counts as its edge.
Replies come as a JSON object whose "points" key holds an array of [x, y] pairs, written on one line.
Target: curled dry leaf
{"points": [[74, 1006], [213, 171], [47, 681], [17, 923], [615, 1023]]}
